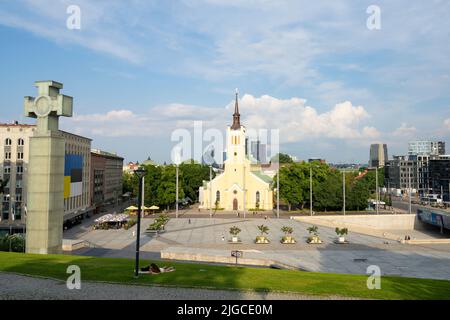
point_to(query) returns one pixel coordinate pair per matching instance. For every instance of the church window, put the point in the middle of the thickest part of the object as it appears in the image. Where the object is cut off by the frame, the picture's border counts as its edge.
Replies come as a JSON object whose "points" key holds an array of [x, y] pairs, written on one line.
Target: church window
{"points": [[257, 196], [20, 142], [8, 141], [217, 196], [235, 191]]}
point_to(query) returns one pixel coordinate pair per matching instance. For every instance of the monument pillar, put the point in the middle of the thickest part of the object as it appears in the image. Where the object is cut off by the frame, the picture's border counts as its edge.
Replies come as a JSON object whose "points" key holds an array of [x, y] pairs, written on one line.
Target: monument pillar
{"points": [[45, 204]]}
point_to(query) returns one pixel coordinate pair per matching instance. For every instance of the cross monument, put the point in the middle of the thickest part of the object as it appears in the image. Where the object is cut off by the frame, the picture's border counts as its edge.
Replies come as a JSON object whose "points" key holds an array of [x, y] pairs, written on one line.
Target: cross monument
{"points": [[45, 198]]}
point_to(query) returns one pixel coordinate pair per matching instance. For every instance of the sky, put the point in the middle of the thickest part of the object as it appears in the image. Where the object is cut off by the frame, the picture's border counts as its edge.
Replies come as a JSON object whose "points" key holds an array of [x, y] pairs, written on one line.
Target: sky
{"points": [[138, 70]]}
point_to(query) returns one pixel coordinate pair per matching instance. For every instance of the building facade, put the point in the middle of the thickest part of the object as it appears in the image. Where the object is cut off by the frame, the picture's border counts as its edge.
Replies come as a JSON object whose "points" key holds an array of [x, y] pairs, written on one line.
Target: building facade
{"points": [[378, 155], [240, 187], [14, 143], [425, 147], [14, 159], [106, 178], [400, 173], [439, 174]]}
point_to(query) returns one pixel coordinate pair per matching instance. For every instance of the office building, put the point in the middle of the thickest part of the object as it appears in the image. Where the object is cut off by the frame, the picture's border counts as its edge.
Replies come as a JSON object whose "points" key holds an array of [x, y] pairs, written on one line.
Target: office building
{"points": [[426, 147], [378, 155]]}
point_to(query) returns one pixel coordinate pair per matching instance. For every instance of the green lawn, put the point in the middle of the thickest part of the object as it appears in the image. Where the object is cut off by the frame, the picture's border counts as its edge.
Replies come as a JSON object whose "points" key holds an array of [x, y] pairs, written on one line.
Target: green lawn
{"points": [[224, 277]]}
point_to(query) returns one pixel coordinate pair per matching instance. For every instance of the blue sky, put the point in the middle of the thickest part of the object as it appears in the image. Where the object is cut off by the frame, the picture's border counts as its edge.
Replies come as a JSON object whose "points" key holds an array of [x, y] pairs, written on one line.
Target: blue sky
{"points": [[140, 69]]}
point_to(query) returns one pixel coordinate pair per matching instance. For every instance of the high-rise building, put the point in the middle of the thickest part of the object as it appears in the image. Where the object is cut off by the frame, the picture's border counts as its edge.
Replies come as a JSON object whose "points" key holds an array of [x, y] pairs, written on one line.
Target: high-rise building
{"points": [[426, 147], [378, 155], [14, 160], [439, 176]]}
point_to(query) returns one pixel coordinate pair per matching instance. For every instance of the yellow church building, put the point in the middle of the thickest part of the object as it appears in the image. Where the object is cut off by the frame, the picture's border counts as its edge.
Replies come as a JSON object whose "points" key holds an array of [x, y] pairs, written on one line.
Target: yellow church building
{"points": [[241, 186]]}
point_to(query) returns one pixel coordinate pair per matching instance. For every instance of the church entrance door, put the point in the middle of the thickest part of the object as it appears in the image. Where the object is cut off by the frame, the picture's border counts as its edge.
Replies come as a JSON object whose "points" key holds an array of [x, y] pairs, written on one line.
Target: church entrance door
{"points": [[235, 204]]}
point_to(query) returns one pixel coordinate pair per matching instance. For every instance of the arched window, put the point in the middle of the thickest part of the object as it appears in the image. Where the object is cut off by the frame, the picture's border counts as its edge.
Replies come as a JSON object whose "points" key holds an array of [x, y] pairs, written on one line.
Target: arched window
{"points": [[8, 141], [257, 196], [20, 142], [218, 196]]}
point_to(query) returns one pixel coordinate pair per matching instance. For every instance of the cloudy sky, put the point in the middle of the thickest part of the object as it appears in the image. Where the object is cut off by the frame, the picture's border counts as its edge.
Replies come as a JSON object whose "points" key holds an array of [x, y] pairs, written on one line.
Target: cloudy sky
{"points": [[312, 69]]}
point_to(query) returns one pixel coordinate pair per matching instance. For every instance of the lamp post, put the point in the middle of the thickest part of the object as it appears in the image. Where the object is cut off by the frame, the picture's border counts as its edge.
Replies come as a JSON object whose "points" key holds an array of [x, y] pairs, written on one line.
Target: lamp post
{"points": [[278, 191], [376, 189], [310, 191], [140, 173], [176, 192], [343, 190], [210, 191]]}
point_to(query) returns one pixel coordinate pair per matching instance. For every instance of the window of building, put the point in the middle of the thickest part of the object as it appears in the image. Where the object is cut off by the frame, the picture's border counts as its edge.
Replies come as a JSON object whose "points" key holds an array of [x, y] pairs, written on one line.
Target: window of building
{"points": [[19, 169], [20, 155], [20, 142], [218, 196], [8, 142], [7, 155], [18, 197], [19, 183], [257, 196], [7, 170]]}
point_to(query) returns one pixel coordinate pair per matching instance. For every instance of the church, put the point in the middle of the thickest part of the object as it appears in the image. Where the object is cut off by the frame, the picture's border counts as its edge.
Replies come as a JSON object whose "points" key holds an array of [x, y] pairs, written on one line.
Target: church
{"points": [[241, 186]]}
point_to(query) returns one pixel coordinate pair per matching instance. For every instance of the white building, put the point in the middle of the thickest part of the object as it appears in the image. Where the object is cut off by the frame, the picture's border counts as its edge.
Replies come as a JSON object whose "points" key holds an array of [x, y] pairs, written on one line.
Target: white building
{"points": [[14, 159]]}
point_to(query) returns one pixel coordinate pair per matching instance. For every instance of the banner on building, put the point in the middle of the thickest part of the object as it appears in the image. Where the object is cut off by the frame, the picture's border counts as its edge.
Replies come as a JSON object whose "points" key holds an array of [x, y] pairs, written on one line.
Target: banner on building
{"points": [[73, 175]]}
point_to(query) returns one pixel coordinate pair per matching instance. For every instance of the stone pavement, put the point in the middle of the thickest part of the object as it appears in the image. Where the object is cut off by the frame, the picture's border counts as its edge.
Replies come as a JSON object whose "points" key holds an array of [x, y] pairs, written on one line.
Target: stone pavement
{"points": [[210, 235]]}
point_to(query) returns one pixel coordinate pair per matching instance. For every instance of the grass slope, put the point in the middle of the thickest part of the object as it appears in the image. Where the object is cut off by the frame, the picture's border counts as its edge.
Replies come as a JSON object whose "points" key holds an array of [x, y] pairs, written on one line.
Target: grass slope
{"points": [[225, 277]]}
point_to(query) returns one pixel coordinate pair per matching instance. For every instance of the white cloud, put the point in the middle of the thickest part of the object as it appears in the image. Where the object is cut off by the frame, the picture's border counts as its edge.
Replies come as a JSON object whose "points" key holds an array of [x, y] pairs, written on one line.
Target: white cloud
{"points": [[295, 120], [405, 131]]}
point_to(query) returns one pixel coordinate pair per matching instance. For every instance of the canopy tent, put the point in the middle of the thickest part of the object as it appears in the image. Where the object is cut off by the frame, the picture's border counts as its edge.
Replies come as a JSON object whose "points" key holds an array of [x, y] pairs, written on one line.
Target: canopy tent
{"points": [[154, 207], [131, 208]]}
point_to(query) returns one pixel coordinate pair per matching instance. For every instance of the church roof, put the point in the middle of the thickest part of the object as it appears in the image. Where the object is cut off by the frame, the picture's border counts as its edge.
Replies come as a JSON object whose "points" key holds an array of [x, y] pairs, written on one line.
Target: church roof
{"points": [[236, 116], [262, 176]]}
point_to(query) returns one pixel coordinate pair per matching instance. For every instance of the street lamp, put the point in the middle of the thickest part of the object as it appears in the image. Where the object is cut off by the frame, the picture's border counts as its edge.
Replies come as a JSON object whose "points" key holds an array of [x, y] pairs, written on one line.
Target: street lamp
{"points": [[140, 173], [210, 191], [311, 189], [343, 190]]}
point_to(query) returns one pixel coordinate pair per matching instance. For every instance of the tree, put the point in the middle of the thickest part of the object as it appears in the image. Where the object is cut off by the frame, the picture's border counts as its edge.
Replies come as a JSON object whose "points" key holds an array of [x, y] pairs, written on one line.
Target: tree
{"points": [[263, 230], [328, 194], [127, 183], [290, 181], [166, 190], [192, 175], [282, 158]]}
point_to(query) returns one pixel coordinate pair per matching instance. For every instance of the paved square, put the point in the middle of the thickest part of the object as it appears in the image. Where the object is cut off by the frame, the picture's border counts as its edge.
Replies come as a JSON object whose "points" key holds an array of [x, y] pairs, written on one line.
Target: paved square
{"points": [[211, 235]]}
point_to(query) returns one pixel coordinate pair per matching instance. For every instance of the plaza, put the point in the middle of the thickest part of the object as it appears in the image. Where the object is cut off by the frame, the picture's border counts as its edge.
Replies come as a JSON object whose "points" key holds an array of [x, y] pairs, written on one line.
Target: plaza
{"points": [[206, 239]]}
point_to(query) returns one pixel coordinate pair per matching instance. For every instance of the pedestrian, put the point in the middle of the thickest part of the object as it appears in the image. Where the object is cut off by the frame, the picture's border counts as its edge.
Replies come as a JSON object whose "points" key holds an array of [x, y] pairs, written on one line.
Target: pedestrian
{"points": [[134, 233], [189, 220], [223, 238]]}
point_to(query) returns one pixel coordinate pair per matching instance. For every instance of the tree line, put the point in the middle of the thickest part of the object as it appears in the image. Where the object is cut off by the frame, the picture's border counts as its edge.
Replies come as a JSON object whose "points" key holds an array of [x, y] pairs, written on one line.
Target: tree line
{"points": [[327, 186], [160, 183]]}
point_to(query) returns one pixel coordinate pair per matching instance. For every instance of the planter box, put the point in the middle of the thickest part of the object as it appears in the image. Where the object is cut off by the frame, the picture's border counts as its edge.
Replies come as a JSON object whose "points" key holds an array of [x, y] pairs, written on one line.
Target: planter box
{"points": [[314, 240], [288, 240], [262, 240], [235, 240]]}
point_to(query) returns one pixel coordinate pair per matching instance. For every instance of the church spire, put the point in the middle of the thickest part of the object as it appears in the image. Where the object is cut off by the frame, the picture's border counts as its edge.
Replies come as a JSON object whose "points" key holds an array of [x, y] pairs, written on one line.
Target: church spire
{"points": [[236, 116]]}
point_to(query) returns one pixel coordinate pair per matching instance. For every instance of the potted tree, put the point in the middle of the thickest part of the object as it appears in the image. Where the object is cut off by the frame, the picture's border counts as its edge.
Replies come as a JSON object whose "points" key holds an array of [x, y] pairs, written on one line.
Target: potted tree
{"points": [[263, 230], [341, 234], [287, 235], [314, 235], [234, 231]]}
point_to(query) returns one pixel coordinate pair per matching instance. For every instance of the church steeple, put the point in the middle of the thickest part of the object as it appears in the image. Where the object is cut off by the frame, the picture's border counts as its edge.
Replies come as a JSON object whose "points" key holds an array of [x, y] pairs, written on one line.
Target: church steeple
{"points": [[236, 116]]}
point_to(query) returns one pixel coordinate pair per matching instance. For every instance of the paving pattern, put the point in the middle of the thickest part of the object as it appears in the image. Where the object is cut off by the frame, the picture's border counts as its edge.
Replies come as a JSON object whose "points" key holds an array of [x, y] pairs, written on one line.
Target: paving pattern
{"points": [[210, 235]]}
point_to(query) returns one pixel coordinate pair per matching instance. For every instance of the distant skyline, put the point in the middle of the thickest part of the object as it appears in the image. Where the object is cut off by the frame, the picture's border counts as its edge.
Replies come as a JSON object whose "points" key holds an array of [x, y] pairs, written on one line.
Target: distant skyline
{"points": [[140, 69]]}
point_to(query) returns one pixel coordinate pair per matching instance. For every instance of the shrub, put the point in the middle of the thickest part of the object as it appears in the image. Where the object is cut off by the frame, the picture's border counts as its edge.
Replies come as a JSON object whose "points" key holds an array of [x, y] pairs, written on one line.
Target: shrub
{"points": [[234, 231], [16, 242], [341, 232], [263, 229]]}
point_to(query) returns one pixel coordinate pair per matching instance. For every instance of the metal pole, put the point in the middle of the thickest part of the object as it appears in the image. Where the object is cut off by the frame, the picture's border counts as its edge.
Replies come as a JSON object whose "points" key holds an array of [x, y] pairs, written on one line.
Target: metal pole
{"points": [[409, 188], [210, 191], [343, 189], [138, 231], [176, 193], [143, 193], [278, 192], [310, 192], [376, 182], [245, 194]]}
